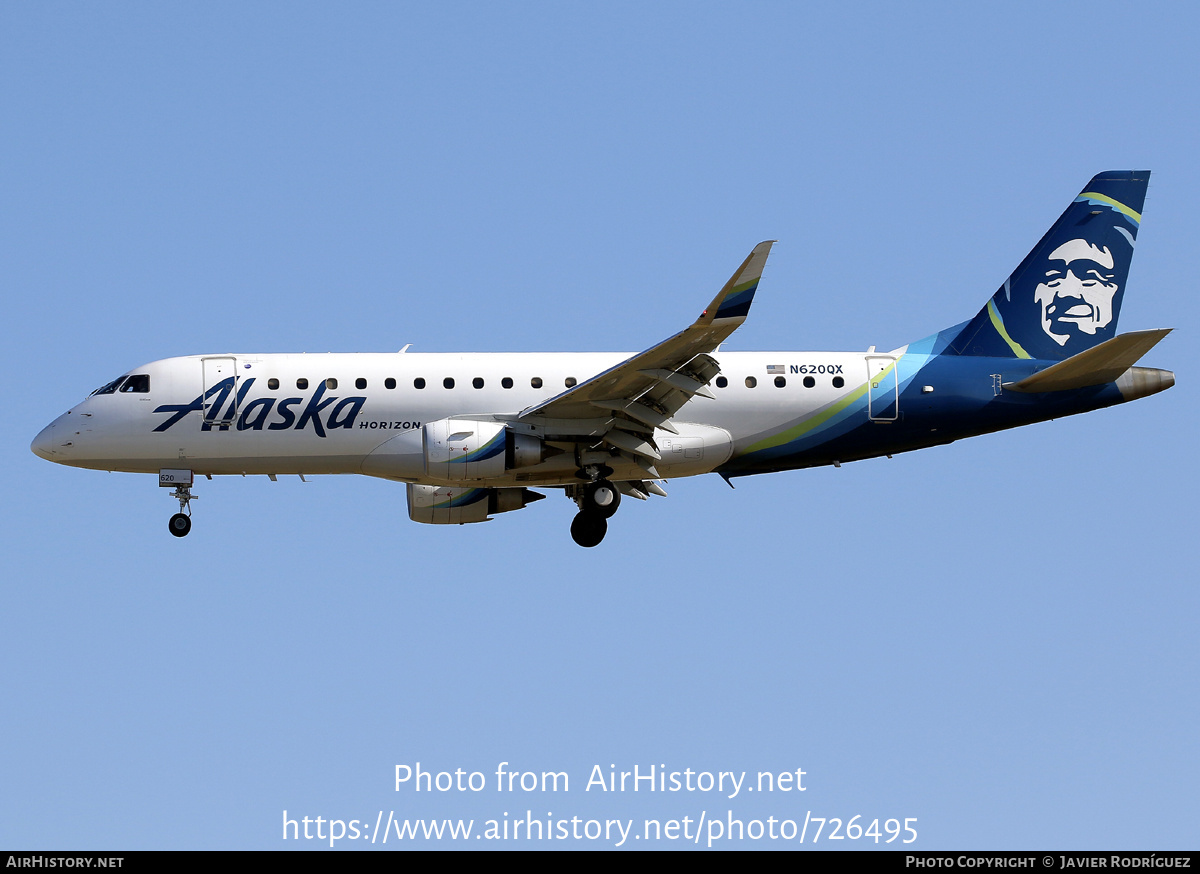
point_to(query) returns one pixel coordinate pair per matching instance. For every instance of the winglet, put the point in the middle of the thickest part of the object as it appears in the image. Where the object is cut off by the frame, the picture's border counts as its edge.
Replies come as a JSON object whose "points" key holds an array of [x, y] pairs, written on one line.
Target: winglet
{"points": [[735, 298], [667, 375]]}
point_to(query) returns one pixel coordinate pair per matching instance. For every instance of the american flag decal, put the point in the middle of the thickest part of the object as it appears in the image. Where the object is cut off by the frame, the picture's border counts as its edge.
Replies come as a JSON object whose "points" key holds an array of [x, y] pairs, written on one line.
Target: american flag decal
{"points": [[773, 369]]}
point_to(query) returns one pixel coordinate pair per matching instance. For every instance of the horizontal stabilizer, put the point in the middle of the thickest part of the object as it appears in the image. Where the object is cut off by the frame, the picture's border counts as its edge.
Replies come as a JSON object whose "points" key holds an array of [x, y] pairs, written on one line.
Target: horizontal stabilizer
{"points": [[1096, 366]]}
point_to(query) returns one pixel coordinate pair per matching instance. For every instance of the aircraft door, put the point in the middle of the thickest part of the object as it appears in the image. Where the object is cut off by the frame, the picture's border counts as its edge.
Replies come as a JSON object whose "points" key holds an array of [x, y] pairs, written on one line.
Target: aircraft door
{"points": [[883, 389], [219, 406]]}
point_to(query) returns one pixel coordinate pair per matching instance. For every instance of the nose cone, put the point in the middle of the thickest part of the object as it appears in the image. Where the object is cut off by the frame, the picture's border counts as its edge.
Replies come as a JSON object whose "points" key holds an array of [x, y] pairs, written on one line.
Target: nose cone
{"points": [[43, 443]]}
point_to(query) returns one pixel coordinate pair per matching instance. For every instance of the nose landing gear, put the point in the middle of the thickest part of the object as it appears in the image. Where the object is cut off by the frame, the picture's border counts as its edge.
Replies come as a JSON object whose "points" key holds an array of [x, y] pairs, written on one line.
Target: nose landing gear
{"points": [[181, 523]]}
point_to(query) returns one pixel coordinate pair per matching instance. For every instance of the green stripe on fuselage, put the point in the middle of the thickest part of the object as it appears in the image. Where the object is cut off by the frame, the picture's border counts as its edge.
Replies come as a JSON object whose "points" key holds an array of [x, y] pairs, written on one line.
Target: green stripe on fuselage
{"points": [[800, 429]]}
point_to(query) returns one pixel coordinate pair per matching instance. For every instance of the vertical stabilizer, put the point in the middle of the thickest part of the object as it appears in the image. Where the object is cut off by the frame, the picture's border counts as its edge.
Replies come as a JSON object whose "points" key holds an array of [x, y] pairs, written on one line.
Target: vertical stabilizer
{"points": [[1066, 295]]}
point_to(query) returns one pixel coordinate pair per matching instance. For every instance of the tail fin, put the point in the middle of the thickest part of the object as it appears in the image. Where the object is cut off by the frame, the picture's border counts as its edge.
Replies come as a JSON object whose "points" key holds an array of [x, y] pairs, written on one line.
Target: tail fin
{"points": [[1066, 295]]}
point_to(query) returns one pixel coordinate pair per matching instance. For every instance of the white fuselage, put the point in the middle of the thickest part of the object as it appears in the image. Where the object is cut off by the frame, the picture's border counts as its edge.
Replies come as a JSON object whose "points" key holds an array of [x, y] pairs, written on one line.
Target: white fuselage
{"points": [[342, 413]]}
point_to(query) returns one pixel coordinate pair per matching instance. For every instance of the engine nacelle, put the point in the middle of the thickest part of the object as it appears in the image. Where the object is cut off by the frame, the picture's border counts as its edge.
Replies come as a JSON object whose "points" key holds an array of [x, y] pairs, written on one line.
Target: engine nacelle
{"points": [[458, 505], [470, 449]]}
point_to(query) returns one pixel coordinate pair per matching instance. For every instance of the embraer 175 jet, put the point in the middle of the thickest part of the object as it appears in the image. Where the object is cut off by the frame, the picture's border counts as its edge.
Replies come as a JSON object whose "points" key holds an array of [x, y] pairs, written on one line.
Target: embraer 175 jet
{"points": [[472, 434]]}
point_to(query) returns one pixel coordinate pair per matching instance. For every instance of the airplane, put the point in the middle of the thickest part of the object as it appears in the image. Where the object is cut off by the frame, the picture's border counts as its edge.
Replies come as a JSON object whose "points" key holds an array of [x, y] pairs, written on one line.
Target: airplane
{"points": [[472, 435]]}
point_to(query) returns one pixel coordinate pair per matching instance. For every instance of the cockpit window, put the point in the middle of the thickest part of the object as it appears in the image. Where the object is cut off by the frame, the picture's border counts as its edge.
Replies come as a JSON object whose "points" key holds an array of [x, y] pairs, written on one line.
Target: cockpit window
{"points": [[138, 383], [108, 389]]}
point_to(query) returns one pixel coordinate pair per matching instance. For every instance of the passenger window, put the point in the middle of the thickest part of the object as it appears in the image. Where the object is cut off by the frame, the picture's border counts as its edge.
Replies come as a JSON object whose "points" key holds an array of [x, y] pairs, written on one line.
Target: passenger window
{"points": [[419, 382], [751, 382], [302, 383], [389, 383], [360, 383], [722, 382], [507, 382], [780, 381], [273, 384], [838, 382], [569, 382], [477, 382], [331, 383], [448, 382], [809, 382], [139, 382], [536, 382]]}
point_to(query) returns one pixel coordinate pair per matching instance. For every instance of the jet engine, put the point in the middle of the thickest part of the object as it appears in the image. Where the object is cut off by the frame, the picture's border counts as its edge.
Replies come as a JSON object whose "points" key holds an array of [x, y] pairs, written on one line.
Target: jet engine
{"points": [[470, 449]]}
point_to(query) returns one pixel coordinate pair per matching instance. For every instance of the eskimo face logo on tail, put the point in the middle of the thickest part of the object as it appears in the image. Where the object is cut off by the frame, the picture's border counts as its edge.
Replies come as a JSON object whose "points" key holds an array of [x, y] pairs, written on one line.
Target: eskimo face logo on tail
{"points": [[1077, 292], [1065, 295]]}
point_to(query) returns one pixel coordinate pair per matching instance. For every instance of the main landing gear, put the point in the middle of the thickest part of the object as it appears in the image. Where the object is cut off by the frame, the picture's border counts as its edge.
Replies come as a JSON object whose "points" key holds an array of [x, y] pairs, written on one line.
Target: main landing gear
{"points": [[597, 501], [181, 523]]}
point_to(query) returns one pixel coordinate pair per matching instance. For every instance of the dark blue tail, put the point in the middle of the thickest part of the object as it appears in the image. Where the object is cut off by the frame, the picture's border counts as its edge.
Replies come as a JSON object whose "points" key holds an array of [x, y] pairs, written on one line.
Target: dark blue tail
{"points": [[1066, 295]]}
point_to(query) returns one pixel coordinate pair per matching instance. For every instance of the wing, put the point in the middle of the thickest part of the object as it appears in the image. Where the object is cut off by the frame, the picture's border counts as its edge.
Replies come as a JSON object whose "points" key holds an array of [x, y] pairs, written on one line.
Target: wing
{"points": [[643, 392]]}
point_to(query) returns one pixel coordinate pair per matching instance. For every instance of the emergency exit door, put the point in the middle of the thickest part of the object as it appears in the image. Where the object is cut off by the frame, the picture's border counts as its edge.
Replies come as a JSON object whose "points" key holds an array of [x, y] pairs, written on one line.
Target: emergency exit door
{"points": [[883, 389]]}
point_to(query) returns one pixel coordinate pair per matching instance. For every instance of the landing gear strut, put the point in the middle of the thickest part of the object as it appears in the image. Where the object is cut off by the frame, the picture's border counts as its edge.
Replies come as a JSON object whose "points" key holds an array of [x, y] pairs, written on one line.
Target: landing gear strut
{"points": [[597, 501], [181, 523]]}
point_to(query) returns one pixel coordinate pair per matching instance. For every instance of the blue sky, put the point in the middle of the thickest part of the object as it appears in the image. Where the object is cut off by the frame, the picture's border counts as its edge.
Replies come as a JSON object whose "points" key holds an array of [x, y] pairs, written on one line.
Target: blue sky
{"points": [[995, 637]]}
